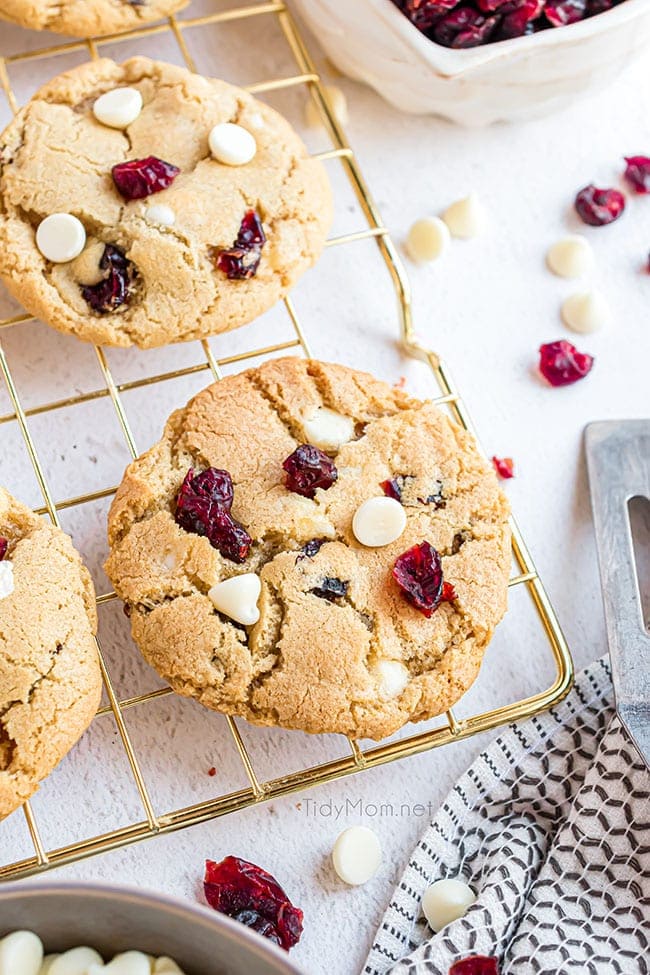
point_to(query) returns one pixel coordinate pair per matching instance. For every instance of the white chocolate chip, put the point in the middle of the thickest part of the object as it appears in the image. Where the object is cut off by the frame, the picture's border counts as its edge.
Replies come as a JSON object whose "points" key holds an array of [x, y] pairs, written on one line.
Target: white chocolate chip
{"points": [[7, 583], [586, 311], [466, 218], [446, 901], [160, 214], [570, 257], [427, 239], [169, 562], [166, 966], [327, 429], [378, 521], [393, 677], [46, 967], [118, 108], [60, 237], [76, 961], [20, 952], [356, 855], [127, 963], [338, 103], [256, 121], [232, 144], [237, 597]]}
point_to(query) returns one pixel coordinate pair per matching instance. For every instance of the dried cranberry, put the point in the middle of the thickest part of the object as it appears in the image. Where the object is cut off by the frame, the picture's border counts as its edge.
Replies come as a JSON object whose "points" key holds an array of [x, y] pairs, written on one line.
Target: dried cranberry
{"points": [[598, 207], [212, 771], [424, 13], [489, 6], [331, 589], [459, 20], [116, 288], [242, 259], [519, 20], [237, 887], [448, 593], [504, 466], [561, 364], [418, 573], [393, 488], [308, 469], [4, 544], [475, 965], [142, 177], [637, 173], [200, 510], [313, 547], [478, 33], [258, 923], [559, 13]]}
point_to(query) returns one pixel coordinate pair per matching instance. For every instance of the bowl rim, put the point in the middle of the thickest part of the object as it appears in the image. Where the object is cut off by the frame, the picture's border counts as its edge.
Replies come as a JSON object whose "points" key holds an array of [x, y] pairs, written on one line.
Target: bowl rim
{"points": [[454, 61], [197, 913]]}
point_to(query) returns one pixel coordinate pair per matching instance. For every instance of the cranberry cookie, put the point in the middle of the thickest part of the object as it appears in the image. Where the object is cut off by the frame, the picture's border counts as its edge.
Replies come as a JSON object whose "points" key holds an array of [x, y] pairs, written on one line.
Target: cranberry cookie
{"points": [[83, 18], [310, 547], [143, 204], [50, 682]]}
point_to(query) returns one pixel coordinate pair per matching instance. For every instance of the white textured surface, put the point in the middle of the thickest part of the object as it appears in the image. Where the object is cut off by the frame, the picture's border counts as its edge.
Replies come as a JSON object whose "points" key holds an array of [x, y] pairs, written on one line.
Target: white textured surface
{"points": [[486, 306]]}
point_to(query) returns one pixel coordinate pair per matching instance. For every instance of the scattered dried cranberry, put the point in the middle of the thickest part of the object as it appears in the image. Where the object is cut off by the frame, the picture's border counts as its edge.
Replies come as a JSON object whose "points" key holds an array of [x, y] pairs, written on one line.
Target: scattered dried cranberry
{"points": [[559, 13], [331, 589], [242, 259], [117, 287], [475, 965], [203, 507], [142, 177], [598, 207], [307, 469], [561, 364], [637, 173], [393, 488], [504, 466], [244, 891], [212, 771], [4, 544], [418, 573]]}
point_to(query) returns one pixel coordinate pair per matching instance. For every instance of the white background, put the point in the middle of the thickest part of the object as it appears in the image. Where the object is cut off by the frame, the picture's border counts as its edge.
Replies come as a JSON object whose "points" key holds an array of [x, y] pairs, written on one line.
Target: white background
{"points": [[486, 306]]}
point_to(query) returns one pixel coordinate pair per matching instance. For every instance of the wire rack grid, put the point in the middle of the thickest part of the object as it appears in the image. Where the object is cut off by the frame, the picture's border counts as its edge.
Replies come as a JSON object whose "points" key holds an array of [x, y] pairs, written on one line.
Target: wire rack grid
{"points": [[357, 757]]}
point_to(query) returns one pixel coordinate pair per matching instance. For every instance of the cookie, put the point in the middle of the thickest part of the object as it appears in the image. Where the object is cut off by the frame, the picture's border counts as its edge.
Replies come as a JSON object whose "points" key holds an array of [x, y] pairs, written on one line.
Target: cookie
{"points": [[84, 18], [143, 204], [262, 601], [50, 681]]}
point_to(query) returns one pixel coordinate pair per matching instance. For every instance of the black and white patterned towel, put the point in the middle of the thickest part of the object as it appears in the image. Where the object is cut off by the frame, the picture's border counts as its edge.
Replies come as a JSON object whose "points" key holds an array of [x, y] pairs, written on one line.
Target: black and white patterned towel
{"points": [[551, 829]]}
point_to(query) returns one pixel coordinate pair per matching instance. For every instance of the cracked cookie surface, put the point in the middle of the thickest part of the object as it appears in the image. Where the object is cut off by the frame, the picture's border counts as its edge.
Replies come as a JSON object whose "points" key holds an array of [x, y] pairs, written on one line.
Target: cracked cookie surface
{"points": [[57, 158], [50, 682], [82, 18], [312, 661]]}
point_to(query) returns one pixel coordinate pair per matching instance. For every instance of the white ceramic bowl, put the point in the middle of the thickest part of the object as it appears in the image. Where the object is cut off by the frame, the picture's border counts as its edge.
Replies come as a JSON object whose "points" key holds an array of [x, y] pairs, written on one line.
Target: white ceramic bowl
{"points": [[372, 41]]}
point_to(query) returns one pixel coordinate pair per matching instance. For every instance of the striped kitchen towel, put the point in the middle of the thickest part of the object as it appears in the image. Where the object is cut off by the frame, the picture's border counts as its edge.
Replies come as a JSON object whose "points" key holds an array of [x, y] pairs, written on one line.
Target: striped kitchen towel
{"points": [[551, 829]]}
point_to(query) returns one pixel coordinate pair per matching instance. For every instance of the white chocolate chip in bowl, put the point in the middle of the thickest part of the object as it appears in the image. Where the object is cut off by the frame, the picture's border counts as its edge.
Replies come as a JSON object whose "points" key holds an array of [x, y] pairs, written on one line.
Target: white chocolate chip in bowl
{"points": [[356, 855], [466, 218], [446, 901], [427, 239], [20, 952], [232, 144], [60, 237], [166, 966], [378, 521], [160, 214], [393, 677], [570, 257], [586, 311], [46, 967], [127, 963], [7, 586], [76, 961], [327, 429], [118, 108], [237, 598]]}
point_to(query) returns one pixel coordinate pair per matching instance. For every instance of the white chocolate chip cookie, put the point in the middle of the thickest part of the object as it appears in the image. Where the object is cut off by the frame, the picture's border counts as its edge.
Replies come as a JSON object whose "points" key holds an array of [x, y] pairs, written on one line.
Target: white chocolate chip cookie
{"points": [[87, 17]]}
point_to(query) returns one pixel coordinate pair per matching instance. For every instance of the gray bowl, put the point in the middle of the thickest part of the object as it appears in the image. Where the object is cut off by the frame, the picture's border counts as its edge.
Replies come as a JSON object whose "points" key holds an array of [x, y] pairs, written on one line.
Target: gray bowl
{"points": [[113, 919]]}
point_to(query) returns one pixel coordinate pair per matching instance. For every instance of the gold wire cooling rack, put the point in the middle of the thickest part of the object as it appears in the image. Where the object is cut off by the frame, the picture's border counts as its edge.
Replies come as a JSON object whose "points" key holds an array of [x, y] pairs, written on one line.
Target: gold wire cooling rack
{"points": [[359, 758]]}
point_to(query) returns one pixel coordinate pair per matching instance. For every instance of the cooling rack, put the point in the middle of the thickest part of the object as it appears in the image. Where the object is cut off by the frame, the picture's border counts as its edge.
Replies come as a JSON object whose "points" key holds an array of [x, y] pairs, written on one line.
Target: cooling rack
{"points": [[357, 757]]}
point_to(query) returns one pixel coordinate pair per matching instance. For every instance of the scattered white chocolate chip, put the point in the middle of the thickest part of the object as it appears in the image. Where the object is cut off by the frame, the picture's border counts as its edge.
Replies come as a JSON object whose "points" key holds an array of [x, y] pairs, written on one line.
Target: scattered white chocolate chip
{"points": [[427, 239], [20, 952], [586, 311], [232, 144], [356, 855], [127, 963], [466, 218], [570, 257], [338, 103], [118, 108], [446, 901], [237, 597], [378, 521], [76, 961], [327, 429], [60, 237], [393, 678], [161, 214], [6, 583]]}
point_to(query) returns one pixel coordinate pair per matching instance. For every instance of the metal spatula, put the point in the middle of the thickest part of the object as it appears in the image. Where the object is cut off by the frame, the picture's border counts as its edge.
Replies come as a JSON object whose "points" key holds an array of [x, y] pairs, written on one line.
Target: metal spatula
{"points": [[618, 460]]}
